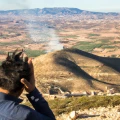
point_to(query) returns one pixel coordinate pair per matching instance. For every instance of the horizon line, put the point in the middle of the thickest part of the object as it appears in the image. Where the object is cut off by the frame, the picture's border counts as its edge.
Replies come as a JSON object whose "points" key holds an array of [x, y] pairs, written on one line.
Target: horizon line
{"points": [[105, 11]]}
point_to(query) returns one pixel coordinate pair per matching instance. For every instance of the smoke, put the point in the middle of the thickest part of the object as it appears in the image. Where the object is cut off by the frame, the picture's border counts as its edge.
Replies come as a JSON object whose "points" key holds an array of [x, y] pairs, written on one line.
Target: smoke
{"points": [[54, 43], [41, 33]]}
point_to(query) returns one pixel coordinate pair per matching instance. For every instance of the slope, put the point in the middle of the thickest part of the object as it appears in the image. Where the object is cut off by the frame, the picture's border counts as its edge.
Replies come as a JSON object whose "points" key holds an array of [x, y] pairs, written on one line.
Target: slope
{"points": [[75, 71]]}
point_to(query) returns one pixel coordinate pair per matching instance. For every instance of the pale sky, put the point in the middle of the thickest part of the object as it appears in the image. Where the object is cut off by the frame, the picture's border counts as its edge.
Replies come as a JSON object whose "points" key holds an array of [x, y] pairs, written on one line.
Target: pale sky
{"points": [[92, 5]]}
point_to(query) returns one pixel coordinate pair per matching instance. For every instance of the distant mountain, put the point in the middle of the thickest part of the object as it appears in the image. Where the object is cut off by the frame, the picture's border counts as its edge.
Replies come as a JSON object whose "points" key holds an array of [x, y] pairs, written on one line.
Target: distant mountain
{"points": [[53, 11]]}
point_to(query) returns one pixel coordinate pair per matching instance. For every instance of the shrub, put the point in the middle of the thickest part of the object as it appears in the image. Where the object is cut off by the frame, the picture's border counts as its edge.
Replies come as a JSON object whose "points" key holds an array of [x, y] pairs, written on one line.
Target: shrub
{"points": [[70, 104], [67, 105]]}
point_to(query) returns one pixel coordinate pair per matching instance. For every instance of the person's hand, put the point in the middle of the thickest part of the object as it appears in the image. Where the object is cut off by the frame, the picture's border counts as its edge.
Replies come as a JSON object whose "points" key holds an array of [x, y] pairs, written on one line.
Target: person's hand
{"points": [[29, 86]]}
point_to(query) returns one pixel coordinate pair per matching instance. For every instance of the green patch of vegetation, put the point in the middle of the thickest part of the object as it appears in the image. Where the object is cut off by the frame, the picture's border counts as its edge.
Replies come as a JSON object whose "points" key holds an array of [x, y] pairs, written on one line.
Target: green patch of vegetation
{"points": [[60, 106], [2, 53], [92, 38], [11, 43], [69, 36], [108, 46], [87, 46], [104, 41], [84, 43], [34, 53], [94, 34]]}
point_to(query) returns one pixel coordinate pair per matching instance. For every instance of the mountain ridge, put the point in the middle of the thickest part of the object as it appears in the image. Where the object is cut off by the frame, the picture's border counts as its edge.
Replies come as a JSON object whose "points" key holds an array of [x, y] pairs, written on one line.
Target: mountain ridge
{"points": [[53, 11]]}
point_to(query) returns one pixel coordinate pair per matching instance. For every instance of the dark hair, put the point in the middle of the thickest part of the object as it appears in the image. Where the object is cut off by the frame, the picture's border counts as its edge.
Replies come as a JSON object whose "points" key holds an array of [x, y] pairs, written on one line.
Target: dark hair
{"points": [[12, 70]]}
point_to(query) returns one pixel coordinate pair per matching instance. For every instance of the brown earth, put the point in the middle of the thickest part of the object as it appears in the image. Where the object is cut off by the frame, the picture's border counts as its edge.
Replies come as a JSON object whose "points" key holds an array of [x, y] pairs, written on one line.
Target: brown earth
{"points": [[67, 68], [76, 71], [14, 33]]}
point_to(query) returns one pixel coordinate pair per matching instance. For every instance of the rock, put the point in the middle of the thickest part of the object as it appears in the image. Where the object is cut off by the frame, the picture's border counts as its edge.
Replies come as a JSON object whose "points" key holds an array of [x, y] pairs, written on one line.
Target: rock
{"points": [[93, 93], [101, 93], [103, 116], [101, 113], [110, 90], [72, 116], [118, 110], [85, 93]]}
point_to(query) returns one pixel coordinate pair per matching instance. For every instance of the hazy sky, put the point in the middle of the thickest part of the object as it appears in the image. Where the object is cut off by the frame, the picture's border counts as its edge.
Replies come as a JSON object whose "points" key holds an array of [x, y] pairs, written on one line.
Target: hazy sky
{"points": [[92, 5]]}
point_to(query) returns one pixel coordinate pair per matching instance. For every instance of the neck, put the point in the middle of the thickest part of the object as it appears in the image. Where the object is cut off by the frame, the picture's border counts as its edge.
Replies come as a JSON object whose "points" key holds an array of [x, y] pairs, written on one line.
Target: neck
{"points": [[4, 91], [9, 93]]}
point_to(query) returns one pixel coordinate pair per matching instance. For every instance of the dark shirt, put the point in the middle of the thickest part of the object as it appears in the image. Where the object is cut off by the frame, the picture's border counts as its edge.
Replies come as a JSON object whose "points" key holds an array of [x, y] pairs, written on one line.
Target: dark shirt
{"points": [[10, 109]]}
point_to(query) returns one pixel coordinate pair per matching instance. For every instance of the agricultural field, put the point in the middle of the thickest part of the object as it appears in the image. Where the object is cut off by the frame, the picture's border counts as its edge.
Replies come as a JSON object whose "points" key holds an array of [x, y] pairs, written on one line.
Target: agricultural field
{"points": [[42, 35]]}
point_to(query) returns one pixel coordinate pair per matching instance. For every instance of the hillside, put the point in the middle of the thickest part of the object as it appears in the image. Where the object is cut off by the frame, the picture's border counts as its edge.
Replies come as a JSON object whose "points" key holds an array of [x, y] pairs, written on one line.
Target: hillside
{"points": [[76, 71]]}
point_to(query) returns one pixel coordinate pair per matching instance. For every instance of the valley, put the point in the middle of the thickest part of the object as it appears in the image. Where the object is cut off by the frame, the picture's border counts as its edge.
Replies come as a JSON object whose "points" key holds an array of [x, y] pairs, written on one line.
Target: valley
{"points": [[75, 53], [50, 32]]}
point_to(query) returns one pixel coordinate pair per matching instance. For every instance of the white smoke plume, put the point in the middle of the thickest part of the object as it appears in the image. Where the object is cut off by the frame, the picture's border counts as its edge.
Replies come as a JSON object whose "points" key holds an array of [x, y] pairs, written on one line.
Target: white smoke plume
{"points": [[40, 34], [54, 44], [44, 34]]}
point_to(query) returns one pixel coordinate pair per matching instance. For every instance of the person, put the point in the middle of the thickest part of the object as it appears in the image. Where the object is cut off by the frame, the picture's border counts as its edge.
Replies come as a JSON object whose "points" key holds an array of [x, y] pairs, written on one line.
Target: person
{"points": [[17, 74]]}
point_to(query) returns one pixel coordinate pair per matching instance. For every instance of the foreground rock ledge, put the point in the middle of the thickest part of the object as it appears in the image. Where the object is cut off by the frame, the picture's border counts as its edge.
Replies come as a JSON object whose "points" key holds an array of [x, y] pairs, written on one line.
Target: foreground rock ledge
{"points": [[101, 113]]}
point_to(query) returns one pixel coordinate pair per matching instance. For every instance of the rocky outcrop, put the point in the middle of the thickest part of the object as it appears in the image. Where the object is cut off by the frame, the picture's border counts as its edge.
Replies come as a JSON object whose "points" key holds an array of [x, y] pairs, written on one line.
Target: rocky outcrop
{"points": [[101, 113]]}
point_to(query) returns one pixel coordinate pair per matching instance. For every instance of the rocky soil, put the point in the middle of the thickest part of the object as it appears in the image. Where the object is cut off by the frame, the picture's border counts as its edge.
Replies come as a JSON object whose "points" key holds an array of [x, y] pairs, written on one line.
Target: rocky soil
{"points": [[101, 113]]}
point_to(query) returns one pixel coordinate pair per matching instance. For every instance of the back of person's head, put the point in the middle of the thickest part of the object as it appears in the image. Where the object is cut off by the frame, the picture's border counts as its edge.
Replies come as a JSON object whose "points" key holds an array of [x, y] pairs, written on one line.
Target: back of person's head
{"points": [[12, 70]]}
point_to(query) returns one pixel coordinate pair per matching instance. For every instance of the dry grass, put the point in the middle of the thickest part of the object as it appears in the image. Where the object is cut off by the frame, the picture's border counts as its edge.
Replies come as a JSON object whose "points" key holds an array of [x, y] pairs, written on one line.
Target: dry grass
{"points": [[75, 70]]}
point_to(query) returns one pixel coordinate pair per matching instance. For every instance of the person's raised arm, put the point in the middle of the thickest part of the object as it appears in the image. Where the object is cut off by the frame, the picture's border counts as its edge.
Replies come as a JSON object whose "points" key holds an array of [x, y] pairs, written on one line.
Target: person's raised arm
{"points": [[34, 96], [29, 86]]}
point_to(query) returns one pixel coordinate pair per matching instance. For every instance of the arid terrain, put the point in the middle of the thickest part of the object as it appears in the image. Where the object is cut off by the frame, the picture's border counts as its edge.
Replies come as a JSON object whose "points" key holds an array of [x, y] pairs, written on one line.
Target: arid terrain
{"points": [[101, 113], [76, 71], [74, 51], [96, 33], [46, 33], [71, 30]]}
